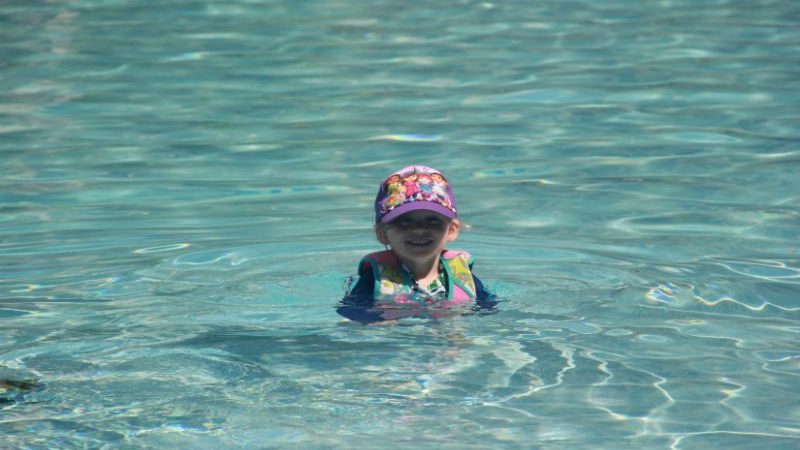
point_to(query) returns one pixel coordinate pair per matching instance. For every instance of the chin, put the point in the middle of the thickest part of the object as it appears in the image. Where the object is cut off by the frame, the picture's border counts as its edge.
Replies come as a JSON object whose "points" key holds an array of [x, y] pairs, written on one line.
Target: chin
{"points": [[421, 252]]}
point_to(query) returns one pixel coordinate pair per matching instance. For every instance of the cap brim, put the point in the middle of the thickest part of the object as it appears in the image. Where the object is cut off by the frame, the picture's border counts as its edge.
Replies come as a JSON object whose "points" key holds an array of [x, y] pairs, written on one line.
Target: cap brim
{"points": [[417, 206]]}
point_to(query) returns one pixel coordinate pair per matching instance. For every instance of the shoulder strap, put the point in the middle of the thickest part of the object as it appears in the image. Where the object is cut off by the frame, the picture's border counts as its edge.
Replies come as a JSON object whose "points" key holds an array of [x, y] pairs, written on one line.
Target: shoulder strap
{"points": [[461, 285], [389, 278]]}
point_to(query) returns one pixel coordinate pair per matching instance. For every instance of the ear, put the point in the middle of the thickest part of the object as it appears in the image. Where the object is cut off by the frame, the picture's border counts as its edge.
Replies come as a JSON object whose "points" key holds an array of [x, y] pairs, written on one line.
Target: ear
{"points": [[380, 234], [452, 230]]}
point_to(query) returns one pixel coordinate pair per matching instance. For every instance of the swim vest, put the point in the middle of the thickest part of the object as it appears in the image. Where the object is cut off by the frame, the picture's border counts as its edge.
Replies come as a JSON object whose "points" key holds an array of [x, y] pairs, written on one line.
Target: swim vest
{"points": [[392, 281]]}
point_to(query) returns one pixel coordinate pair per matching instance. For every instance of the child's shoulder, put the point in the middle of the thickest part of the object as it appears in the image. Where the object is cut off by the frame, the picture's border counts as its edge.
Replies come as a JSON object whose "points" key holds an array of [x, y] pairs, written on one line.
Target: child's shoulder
{"points": [[454, 253], [381, 257]]}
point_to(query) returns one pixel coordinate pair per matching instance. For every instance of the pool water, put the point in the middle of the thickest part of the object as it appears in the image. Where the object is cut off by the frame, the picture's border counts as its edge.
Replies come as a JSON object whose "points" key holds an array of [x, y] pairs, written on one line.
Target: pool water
{"points": [[185, 186]]}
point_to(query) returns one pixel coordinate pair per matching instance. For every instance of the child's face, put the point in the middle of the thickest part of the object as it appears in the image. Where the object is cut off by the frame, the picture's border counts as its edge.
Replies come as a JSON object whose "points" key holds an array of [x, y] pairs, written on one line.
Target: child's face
{"points": [[418, 236]]}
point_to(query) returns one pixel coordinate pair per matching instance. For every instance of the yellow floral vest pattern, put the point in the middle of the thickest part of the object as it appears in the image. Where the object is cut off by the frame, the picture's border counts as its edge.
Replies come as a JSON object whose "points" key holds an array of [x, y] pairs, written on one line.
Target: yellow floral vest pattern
{"points": [[392, 281]]}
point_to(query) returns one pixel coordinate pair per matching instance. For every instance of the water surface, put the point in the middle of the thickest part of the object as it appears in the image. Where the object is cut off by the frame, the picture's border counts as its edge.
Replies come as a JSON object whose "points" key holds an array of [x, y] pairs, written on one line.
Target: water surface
{"points": [[186, 185]]}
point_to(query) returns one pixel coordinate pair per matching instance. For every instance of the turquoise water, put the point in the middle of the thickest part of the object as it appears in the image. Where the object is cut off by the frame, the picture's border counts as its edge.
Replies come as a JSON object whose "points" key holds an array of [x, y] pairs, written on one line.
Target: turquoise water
{"points": [[186, 185]]}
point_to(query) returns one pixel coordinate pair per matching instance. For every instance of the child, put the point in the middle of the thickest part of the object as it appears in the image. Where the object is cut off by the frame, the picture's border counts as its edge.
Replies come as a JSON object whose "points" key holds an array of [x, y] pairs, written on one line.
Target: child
{"points": [[415, 217]]}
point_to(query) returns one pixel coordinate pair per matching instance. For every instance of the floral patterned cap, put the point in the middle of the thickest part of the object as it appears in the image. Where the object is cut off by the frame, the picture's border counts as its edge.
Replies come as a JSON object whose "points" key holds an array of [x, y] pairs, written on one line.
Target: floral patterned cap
{"points": [[414, 188]]}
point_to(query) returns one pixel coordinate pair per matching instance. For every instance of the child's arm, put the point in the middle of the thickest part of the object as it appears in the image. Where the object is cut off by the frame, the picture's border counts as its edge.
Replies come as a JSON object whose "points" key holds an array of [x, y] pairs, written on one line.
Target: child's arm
{"points": [[485, 299], [357, 304]]}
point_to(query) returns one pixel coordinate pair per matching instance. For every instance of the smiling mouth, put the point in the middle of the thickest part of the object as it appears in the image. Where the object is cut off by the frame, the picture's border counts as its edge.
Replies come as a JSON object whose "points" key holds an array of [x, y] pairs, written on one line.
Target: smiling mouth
{"points": [[419, 242]]}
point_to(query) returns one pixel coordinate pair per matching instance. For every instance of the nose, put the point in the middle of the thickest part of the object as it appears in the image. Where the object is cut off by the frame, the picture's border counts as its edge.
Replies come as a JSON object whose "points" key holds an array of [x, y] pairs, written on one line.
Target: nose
{"points": [[419, 227]]}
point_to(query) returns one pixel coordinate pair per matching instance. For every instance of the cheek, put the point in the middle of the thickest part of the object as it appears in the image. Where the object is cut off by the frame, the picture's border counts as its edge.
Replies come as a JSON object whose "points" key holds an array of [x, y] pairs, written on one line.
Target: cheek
{"points": [[393, 235]]}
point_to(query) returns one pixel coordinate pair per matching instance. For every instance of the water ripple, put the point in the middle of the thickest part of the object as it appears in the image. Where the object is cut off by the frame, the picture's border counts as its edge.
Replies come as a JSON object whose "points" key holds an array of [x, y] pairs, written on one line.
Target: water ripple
{"points": [[186, 184]]}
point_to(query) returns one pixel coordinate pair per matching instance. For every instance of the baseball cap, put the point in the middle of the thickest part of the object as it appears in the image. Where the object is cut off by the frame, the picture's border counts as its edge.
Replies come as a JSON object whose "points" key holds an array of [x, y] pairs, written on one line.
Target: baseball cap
{"points": [[414, 188]]}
